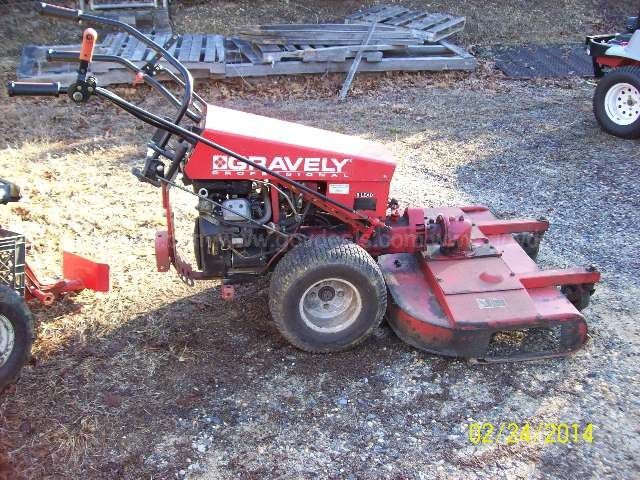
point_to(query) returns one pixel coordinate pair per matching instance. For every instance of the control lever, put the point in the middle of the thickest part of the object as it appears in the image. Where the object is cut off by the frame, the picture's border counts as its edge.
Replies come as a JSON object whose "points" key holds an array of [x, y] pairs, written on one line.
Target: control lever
{"points": [[82, 89]]}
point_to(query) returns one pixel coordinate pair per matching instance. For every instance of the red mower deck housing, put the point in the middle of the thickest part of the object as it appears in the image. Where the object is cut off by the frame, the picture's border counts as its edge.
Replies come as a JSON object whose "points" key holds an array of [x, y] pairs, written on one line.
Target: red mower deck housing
{"points": [[454, 304]]}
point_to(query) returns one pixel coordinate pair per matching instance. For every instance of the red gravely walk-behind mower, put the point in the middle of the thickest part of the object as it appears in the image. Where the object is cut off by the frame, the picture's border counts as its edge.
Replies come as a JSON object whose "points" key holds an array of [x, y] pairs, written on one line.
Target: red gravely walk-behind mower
{"points": [[312, 207]]}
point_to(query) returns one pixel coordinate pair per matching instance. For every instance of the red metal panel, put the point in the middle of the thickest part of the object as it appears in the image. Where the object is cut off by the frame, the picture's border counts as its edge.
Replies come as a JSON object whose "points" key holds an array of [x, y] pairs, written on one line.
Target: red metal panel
{"points": [[550, 278], [497, 227], [350, 167], [467, 275], [93, 275], [493, 309]]}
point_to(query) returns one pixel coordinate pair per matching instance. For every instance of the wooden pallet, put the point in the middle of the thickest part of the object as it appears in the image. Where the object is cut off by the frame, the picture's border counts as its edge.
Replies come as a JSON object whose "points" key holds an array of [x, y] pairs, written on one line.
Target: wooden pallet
{"points": [[326, 34], [430, 27], [210, 55]]}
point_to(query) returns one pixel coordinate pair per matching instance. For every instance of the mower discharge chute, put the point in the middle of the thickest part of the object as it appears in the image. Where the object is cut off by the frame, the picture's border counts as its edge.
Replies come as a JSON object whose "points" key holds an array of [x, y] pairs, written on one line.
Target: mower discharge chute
{"points": [[312, 207]]}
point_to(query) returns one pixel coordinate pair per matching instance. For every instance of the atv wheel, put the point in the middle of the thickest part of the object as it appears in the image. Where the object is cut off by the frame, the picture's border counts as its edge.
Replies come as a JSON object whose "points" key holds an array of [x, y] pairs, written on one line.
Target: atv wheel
{"points": [[16, 335], [327, 295], [616, 102]]}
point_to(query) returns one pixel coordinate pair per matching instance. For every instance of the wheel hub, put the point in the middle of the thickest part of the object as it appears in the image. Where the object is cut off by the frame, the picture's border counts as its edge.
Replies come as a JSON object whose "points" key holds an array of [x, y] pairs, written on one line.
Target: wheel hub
{"points": [[622, 104], [330, 306], [326, 293], [7, 339]]}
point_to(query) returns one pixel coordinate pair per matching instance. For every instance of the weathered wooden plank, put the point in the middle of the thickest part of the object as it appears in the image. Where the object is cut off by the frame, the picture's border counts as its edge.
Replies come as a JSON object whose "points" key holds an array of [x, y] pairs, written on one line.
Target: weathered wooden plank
{"points": [[430, 27], [426, 22], [160, 39], [344, 39], [321, 27], [387, 15], [209, 49], [220, 50], [138, 52], [386, 64], [444, 30], [455, 49], [356, 63], [382, 13], [360, 14], [247, 50], [185, 48], [405, 18], [132, 43], [196, 48]]}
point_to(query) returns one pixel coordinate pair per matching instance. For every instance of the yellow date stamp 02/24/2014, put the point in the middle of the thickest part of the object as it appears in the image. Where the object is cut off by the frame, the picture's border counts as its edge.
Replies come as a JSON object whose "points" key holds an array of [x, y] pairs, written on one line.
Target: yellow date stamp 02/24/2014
{"points": [[511, 433]]}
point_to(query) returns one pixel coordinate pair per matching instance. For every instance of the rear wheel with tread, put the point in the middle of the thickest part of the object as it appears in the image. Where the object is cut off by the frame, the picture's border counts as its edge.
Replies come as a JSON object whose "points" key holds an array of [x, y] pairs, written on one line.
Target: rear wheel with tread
{"points": [[327, 295]]}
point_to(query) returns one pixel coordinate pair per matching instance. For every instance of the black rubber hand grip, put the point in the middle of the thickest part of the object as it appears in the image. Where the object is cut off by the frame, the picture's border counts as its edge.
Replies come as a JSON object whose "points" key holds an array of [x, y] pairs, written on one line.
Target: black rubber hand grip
{"points": [[56, 11], [16, 89]]}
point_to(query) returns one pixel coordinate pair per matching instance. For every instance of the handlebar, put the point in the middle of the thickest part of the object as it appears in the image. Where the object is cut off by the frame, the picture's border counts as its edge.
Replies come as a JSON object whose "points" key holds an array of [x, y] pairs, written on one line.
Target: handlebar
{"points": [[56, 11], [70, 14], [65, 56], [24, 89], [187, 78]]}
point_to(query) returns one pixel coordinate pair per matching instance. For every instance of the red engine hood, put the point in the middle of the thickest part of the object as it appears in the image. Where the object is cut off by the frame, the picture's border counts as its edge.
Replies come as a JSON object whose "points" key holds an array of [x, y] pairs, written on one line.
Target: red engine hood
{"points": [[294, 150]]}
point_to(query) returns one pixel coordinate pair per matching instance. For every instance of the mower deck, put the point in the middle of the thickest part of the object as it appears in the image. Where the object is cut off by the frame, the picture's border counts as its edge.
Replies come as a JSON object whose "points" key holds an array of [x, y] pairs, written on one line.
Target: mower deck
{"points": [[458, 305]]}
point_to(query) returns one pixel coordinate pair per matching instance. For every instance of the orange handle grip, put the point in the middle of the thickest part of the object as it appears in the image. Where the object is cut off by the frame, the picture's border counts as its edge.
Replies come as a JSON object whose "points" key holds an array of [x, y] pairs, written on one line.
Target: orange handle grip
{"points": [[89, 38]]}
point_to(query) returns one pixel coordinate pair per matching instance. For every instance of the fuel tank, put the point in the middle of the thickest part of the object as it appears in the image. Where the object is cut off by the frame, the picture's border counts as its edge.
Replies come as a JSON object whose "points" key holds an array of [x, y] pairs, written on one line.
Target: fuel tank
{"points": [[350, 170]]}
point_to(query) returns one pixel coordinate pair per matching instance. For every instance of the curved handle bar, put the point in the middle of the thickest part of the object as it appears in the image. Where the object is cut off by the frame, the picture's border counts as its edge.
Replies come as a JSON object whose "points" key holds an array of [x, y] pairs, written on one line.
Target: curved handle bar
{"points": [[67, 13], [31, 89]]}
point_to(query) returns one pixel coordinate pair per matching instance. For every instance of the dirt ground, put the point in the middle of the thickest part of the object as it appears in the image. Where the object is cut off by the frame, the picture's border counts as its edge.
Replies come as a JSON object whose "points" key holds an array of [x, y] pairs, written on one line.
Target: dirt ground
{"points": [[160, 380]]}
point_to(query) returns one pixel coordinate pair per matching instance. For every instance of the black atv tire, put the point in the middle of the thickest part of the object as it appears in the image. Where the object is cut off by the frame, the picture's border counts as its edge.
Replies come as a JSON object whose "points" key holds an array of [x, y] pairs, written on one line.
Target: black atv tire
{"points": [[609, 115], [327, 295], [14, 314]]}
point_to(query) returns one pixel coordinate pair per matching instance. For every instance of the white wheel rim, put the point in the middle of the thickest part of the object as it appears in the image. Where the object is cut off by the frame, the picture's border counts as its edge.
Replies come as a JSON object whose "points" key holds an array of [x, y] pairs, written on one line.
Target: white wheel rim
{"points": [[622, 104], [330, 305], [7, 339]]}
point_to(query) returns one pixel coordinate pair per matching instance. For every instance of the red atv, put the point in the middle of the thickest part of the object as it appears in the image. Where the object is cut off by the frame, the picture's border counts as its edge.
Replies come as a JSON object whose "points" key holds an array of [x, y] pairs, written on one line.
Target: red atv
{"points": [[311, 208], [616, 102]]}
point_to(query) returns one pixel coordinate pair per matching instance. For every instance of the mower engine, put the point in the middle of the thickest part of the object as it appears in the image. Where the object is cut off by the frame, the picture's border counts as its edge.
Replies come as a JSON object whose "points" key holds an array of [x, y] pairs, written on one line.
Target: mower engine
{"points": [[223, 239]]}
